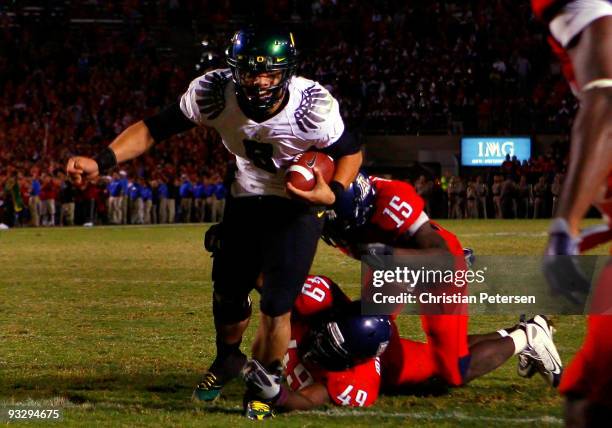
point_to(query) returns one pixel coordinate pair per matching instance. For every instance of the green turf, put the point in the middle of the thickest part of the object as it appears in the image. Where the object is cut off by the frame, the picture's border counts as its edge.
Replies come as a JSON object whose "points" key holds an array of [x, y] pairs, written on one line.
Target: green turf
{"points": [[114, 325]]}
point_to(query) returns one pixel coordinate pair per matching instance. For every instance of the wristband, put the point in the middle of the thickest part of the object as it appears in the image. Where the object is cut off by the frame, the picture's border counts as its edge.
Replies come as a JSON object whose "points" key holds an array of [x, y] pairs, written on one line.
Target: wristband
{"points": [[337, 189], [106, 160]]}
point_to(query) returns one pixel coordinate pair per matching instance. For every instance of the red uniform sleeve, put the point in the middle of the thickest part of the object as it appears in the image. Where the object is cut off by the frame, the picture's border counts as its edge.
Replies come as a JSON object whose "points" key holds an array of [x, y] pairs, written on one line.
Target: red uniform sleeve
{"points": [[317, 295], [543, 9], [399, 209], [355, 387]]}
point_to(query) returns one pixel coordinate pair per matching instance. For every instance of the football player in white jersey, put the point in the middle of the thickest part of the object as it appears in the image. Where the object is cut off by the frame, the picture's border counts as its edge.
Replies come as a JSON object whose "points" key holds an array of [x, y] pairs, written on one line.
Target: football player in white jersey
{"points": [[265, 115]]}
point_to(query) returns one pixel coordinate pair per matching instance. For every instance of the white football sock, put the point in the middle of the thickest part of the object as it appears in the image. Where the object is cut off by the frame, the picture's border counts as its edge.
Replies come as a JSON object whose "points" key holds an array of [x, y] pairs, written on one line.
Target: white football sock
{"points": [[519, 337]]}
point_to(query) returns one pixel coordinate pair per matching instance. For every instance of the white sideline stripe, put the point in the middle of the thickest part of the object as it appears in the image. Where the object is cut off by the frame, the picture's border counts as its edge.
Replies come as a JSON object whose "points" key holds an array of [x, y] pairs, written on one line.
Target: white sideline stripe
{"points": [[120, 281], [431, 416], [335, 413], [526, 234], [304, 172]]}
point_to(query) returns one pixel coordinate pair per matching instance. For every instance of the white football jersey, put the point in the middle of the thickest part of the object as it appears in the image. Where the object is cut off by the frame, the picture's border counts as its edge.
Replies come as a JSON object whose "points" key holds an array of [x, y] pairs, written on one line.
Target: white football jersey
{"points": [[311, 119]]}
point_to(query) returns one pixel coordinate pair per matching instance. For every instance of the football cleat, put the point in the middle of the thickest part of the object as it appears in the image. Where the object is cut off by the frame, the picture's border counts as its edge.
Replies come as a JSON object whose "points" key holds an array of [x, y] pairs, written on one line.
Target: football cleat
{"points": [[208, 389], [526, 366], [542, 350], [258, 410], [220, 372]]}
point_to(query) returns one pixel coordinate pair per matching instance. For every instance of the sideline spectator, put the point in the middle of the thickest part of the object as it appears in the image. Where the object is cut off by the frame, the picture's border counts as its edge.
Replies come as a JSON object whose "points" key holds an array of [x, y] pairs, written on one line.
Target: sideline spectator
{"points": [[508, 197], [186, 195], [115, 201], [540, 192], [147, 201], [524, 197], [66, 199], [48, 195], [472, 197], [555, 189], [34, 202], [482, 193], [496, 192]]}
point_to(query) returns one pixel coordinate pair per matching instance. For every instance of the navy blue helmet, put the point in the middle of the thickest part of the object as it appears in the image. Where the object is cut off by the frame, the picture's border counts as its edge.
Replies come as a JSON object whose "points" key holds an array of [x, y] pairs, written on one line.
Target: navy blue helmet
{"points": [[348, 340], [355, 205]]}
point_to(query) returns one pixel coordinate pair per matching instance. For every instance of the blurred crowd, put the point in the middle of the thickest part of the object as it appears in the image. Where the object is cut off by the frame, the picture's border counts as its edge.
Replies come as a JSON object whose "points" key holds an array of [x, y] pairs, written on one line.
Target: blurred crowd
{"points": [[68, 85], [527, 189], [51, 199]]}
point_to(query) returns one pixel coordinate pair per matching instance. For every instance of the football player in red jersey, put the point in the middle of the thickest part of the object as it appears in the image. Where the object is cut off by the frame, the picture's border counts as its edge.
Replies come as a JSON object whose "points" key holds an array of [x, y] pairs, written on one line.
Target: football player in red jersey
{"points": [[322, 373], [333, 355], [375, 216], [581, 34]]}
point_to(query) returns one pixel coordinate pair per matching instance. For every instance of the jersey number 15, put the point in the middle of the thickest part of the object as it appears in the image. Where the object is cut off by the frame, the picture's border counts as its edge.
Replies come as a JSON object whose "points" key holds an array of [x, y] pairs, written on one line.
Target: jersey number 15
{"points": [[398, 209]]}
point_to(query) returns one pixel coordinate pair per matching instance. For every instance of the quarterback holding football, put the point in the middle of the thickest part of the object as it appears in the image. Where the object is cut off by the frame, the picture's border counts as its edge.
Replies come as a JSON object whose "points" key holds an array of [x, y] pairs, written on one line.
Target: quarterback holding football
{"points": [[265, 115]]}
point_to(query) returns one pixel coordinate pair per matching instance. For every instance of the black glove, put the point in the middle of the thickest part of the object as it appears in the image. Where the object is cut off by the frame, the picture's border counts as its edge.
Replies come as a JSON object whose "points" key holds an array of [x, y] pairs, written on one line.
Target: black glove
{"points": [[212, 238], [374, 254], [373, 249]]}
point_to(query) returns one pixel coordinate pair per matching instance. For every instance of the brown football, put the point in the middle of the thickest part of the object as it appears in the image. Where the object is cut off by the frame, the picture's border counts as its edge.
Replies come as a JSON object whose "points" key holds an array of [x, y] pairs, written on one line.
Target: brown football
{"points": [[301, 171]]}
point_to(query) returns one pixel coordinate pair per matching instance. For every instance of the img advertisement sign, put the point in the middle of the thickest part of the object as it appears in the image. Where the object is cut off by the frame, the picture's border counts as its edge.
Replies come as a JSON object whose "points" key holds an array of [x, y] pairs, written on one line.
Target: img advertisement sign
{"points": [[491, 151]]}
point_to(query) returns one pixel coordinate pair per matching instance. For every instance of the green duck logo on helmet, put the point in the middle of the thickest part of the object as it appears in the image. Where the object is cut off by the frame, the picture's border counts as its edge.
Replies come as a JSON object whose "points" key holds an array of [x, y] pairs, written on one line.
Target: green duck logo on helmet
{"points": [[257, 51]]}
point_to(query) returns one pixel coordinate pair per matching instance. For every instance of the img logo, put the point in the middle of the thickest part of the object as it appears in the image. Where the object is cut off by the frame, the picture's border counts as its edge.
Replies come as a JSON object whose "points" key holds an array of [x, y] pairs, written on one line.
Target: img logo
{"points": [[495, 148], [492, 151]]}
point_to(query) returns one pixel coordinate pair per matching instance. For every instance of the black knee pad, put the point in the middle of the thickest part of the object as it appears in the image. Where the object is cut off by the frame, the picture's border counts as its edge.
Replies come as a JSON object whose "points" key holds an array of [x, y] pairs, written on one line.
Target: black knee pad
{"points": [[230, 310]]}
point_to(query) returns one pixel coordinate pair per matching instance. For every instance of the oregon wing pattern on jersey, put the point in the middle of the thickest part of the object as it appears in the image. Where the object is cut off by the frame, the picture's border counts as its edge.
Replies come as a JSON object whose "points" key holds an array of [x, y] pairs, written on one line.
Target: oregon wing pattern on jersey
{"points": [[211, 99], [313, 109]]}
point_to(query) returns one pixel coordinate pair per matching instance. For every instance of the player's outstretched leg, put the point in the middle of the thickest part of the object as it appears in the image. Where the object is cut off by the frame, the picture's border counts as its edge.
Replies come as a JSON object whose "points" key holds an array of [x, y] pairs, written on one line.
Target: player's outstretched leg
{"points": [[489, 351]]}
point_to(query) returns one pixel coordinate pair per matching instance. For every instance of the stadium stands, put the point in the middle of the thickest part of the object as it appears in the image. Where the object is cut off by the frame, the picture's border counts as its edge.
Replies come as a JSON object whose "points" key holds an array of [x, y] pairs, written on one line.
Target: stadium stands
{"points": [[74, 74]]}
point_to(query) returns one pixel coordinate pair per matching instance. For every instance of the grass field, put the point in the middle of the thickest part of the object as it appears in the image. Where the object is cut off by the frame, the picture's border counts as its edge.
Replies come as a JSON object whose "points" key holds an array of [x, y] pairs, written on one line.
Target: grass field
{"points": [[114, 325]]}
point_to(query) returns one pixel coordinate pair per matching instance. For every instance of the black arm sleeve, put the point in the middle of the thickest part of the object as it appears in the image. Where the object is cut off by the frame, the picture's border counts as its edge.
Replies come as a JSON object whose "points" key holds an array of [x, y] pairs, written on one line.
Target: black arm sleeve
{"points": [[346, 145], [168, 122]]}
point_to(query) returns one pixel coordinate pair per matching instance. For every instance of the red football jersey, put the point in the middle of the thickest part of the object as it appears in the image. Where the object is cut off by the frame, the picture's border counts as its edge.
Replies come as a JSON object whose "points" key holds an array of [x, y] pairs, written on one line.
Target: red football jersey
{"points": [[542, 9], [398, 209], [357, 386]]}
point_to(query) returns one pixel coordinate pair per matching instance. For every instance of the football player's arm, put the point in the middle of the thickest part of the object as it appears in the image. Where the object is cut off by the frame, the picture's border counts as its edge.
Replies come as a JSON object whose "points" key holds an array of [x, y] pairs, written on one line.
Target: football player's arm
{"points": [[310, 397], [131, 143], [348, 158], [425, 241]]}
